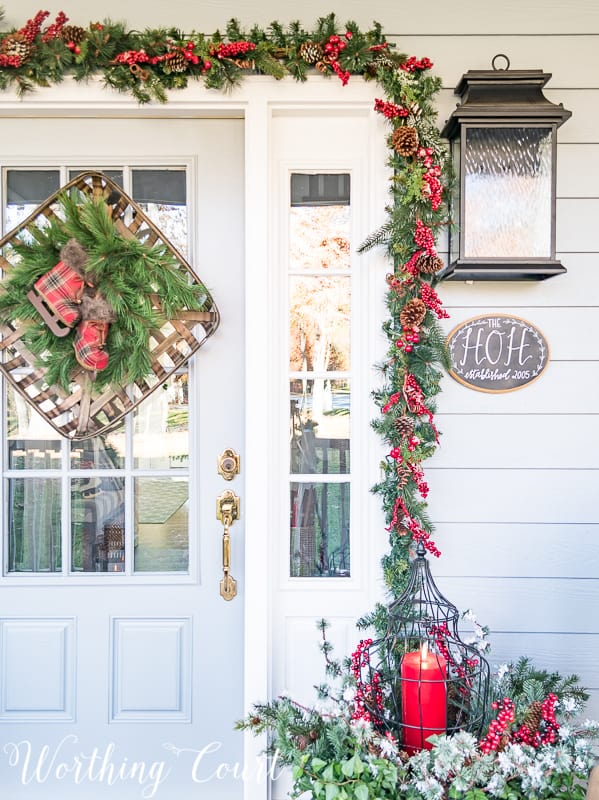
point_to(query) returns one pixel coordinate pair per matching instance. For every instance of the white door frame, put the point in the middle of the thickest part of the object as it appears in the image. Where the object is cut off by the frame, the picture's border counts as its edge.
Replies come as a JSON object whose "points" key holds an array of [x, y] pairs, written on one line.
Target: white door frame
{"points": [[256, 101]]}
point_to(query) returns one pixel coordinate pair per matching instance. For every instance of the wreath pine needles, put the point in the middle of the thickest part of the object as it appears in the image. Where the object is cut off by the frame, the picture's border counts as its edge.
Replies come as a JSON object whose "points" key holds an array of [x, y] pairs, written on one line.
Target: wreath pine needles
{"points": [[126, 271]]}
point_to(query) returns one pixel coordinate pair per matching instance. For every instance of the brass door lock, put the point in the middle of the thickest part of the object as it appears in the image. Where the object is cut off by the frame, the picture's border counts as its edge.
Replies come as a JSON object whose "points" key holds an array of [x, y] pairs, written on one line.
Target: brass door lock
{"points": [[228, 464]]}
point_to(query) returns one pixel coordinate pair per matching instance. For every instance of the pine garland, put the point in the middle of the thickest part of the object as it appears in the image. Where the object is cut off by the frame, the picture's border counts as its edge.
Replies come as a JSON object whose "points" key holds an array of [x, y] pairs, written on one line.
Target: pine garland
{"points": [[125, 271], [150, 63]]}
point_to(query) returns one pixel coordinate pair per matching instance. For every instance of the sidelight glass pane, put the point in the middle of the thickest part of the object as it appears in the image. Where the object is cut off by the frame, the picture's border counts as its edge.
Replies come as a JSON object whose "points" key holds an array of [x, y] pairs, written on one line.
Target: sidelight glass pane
{"points": [[161, 426], [161, 524], [319, 426], [34, 512], [319, 238], [319, 323], [32, 443], [507, 192], [98, 524], [320, 530]]}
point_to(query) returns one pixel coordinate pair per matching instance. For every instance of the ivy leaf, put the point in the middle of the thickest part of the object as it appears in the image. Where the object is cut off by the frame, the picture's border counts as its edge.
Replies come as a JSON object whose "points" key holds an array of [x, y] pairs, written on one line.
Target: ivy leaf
{"points": [[361, 792], [331, 791]]}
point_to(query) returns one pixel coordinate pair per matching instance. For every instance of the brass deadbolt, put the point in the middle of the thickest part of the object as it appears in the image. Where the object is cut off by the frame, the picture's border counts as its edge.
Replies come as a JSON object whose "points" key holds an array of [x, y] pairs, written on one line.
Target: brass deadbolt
{"points": [[228, 464]]}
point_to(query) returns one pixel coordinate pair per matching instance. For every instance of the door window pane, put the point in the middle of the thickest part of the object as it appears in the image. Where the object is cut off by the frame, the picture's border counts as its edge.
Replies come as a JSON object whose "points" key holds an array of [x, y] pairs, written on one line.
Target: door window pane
{"points": [[320, 530], [161, 524], [97, 511], [32, 443], [25, 191], [161, 194], [161, 426], [34, 543], [105, 451]]}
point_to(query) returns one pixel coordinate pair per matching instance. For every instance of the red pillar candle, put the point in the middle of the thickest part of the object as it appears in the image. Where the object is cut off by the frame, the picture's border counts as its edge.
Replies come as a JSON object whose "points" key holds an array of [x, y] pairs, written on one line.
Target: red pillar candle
{"points": [[423, 697]]}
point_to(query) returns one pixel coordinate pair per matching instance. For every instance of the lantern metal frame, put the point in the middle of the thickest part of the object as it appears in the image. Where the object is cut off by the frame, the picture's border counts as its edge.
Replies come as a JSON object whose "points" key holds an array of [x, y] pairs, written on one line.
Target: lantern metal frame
{"points": [[507, 99], [422, 615]]}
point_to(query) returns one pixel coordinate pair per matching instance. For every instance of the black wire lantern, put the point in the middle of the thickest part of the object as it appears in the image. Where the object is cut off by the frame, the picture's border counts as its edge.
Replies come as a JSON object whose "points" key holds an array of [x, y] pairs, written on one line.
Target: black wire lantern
{"points": [[420, 678]]}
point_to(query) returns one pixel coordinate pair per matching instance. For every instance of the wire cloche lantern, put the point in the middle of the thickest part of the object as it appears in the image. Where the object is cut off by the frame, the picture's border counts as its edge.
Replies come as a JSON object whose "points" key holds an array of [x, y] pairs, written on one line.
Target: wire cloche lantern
{"points": [[420, 678]]}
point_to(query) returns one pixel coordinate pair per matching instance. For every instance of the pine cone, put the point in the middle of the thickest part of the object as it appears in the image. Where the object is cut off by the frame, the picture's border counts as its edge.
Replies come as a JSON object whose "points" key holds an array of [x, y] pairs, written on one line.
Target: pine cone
{"points": [[72, 33], [404, 426], [301, 742], [382, 60], [176, 62], [428, 265], [403, 476], [534, 716], [413, 313], [16, 45], [405, 140], [311, 52]]}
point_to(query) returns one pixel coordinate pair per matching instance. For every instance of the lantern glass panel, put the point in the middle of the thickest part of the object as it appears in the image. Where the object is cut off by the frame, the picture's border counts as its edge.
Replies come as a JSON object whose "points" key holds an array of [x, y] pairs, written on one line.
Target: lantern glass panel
{"points": [[507, 185], [454, 232]]}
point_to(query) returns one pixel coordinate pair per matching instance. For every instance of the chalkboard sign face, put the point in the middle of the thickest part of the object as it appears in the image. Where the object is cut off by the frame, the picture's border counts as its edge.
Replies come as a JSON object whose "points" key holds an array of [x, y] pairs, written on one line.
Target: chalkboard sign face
{"points": [[497, 353]]}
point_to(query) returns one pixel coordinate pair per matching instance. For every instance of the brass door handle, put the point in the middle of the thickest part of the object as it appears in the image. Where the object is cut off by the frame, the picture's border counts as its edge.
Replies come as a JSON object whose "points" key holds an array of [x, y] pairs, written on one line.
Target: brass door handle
{"points": [[227, 511]]}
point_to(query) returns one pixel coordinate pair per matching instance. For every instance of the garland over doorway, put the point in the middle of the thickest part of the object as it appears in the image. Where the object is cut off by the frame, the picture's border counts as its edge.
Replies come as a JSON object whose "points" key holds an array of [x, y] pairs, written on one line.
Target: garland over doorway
{"points": [[150, 63]]}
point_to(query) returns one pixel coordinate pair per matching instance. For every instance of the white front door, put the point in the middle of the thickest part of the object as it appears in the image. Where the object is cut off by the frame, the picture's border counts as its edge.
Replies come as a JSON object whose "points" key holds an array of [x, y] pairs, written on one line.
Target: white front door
{"points": [[120, 663]]}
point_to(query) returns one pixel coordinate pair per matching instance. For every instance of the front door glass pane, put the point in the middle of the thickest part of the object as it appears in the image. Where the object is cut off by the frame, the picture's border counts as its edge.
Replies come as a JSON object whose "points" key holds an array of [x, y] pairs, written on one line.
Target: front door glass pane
{"points": [[161, 524], [34, 543], [320, 530], [161, 426], [97, 511]]}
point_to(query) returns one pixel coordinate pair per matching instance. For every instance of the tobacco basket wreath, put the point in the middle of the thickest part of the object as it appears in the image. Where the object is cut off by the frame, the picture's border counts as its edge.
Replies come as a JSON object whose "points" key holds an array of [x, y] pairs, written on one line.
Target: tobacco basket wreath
{"points": [[156, 311]]}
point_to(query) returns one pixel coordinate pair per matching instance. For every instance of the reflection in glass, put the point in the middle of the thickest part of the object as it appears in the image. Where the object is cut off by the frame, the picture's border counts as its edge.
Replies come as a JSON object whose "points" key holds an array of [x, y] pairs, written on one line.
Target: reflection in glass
{"points": [[161, 524], [320, 426], [32, 443], [161, 426], [104, 451], [25, 190], [319, 238], [97, 518], [161, 194], [34, 513], [319, 323], [319, 530], [507, 193]]}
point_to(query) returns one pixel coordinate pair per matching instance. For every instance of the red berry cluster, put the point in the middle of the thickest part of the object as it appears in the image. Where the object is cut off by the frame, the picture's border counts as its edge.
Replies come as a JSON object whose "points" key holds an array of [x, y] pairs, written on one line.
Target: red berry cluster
{"points": [[365, 692], [410, 336], [432, 188], [53, 31], [390, 110], [332, 48], [498, 726], [10, 61], [423, 236], [549, 726], [131, 57], [432, 300], [407, 521], [418, 476], [231, 50], [32, 27], [411, 265], [393, 401], [413, 64]]}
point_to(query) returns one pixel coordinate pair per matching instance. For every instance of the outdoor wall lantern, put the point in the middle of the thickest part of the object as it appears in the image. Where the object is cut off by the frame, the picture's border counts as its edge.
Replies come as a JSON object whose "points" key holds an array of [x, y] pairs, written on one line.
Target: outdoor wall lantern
{"points": [[503, 144]]}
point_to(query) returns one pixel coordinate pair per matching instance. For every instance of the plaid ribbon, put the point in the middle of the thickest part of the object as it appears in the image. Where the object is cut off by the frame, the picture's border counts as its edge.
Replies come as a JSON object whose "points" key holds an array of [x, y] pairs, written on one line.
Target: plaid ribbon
{"points": [[61, 289], [89, 341]]}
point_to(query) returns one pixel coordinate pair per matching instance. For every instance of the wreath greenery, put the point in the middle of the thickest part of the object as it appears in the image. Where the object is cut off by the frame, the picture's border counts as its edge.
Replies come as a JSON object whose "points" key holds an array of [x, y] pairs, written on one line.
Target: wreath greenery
{"points": [[126, 271]]}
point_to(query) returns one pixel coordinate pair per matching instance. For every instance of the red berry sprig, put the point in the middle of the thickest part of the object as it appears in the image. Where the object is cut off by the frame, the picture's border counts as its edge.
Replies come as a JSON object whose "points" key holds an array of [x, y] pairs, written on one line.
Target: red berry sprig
{"points": [[365, 692], [413, 64], [332, 48], [10, 61], [33, 27], [432, 185], [432, 300], [390, 110], [53, 31], [232, 49], [498, 726], [409, 337], [423, 236]]}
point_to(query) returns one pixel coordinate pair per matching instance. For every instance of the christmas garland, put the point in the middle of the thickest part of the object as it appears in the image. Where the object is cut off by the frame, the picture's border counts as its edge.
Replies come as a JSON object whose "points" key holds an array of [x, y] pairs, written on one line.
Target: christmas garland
{"points": [[121, 274], [149, 63]]}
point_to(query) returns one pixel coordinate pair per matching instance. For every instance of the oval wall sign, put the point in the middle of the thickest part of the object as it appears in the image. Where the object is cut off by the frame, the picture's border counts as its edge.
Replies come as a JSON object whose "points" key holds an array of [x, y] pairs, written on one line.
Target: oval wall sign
{"points": [[497, 353]]}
